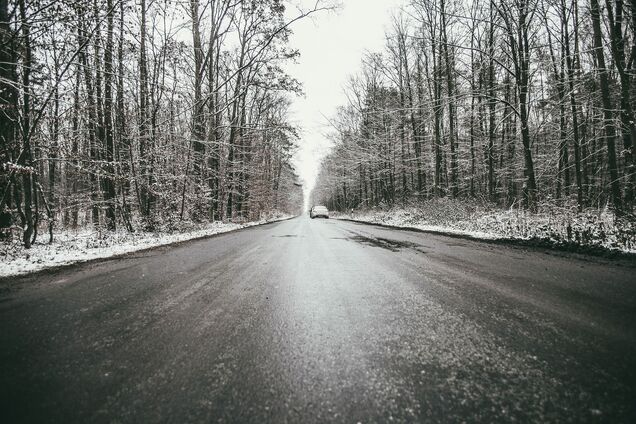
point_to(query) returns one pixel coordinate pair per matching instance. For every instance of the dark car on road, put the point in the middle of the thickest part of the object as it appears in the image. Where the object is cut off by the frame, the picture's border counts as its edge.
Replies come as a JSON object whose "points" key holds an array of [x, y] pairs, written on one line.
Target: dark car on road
{"points": [[319, 211]]}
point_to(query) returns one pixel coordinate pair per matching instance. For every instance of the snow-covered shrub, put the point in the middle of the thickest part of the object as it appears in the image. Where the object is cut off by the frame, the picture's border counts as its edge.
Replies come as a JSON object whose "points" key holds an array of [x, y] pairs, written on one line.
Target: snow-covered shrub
{"points": [[558, 225]]}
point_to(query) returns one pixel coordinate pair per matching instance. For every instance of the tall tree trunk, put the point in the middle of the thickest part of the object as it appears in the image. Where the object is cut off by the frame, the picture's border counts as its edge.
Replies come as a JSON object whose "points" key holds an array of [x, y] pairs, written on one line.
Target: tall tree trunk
{"points": [[558, 68], [110, 177], [8, 111], [198, 128], [122, 145], [235, 119], [55, 137], [492, 103], [419, 130], [403, 114], [214, 121], [520, 50], [92, 112], [26, 159], [100, 130], [570, 66], [628, 126], [610, 130], [473, 98], [437, 111], [145, 194], [450, 87]]}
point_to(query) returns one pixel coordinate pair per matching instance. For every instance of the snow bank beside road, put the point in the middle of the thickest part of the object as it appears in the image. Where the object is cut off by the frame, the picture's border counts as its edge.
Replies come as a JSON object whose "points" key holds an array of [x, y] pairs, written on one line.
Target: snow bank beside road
{"points": [[73, 247], [555, 227]]}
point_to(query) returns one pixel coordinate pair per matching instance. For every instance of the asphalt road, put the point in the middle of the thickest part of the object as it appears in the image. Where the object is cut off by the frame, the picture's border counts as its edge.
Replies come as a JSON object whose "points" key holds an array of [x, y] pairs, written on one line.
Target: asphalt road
{"points": [[322, 321]]}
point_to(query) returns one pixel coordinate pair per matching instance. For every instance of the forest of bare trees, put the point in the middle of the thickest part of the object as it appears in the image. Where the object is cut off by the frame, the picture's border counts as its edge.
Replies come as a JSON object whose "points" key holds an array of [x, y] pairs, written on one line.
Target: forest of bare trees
{"points": [[139, 114], [512, 102]]}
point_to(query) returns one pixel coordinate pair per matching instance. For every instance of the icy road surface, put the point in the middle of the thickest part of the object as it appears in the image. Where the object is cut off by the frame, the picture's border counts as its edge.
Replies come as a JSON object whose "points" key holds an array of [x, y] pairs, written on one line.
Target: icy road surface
{"points": [[322, 321]]}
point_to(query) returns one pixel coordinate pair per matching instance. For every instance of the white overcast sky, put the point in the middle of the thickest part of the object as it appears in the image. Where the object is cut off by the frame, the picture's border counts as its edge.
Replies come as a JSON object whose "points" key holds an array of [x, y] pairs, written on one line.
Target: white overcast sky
{"points": [[331, 48]]}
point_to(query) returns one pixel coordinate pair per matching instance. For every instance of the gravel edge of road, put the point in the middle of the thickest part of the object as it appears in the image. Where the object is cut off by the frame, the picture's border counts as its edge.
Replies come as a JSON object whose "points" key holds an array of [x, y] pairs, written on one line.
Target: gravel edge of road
{"points": [[9, 278], [540, 245]]}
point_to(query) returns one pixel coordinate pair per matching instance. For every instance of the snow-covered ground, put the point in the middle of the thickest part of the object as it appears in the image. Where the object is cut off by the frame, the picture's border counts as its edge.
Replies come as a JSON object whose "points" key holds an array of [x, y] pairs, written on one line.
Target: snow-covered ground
{"points": [[71, 247], [590, 229]]}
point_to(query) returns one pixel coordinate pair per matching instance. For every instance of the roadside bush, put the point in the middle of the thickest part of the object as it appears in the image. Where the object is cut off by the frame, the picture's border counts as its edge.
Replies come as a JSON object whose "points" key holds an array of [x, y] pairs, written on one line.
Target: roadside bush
{"points": [[554, 224]]}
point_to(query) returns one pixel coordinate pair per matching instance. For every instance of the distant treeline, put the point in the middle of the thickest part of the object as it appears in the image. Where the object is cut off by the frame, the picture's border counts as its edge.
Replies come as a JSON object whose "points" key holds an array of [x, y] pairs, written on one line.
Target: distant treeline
{"points": [[138, 114], [513, 101]]}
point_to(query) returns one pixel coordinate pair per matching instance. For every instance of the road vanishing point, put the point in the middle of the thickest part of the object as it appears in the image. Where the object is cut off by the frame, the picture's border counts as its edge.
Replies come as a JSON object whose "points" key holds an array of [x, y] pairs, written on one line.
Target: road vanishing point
{"points": [[311, 321]]}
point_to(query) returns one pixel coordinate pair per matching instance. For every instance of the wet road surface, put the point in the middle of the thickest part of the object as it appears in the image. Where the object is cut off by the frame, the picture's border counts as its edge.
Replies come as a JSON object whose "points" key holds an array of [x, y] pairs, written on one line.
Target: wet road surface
{"points": [[322, 321]]}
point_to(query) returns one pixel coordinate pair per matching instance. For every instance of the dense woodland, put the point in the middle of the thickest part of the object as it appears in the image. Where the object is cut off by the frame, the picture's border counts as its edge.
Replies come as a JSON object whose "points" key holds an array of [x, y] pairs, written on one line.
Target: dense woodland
{"points": [[140, 114], [513, 102]]}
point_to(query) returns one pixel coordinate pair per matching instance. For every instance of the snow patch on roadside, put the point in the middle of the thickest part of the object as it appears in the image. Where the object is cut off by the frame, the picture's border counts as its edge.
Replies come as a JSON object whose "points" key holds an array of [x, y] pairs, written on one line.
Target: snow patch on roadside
{"points": [[71, 247], [597, 229]]}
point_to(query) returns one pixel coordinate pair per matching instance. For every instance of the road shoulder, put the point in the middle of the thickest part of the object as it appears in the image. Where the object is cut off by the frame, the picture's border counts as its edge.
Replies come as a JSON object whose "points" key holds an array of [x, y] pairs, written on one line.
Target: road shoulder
{"points": [[538, 244], [81, 248]]}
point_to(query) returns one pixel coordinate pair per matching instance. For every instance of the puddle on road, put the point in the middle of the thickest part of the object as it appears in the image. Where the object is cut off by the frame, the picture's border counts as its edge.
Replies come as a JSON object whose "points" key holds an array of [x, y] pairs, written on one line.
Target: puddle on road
{"points": [[384, 243], [388, 244]]}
